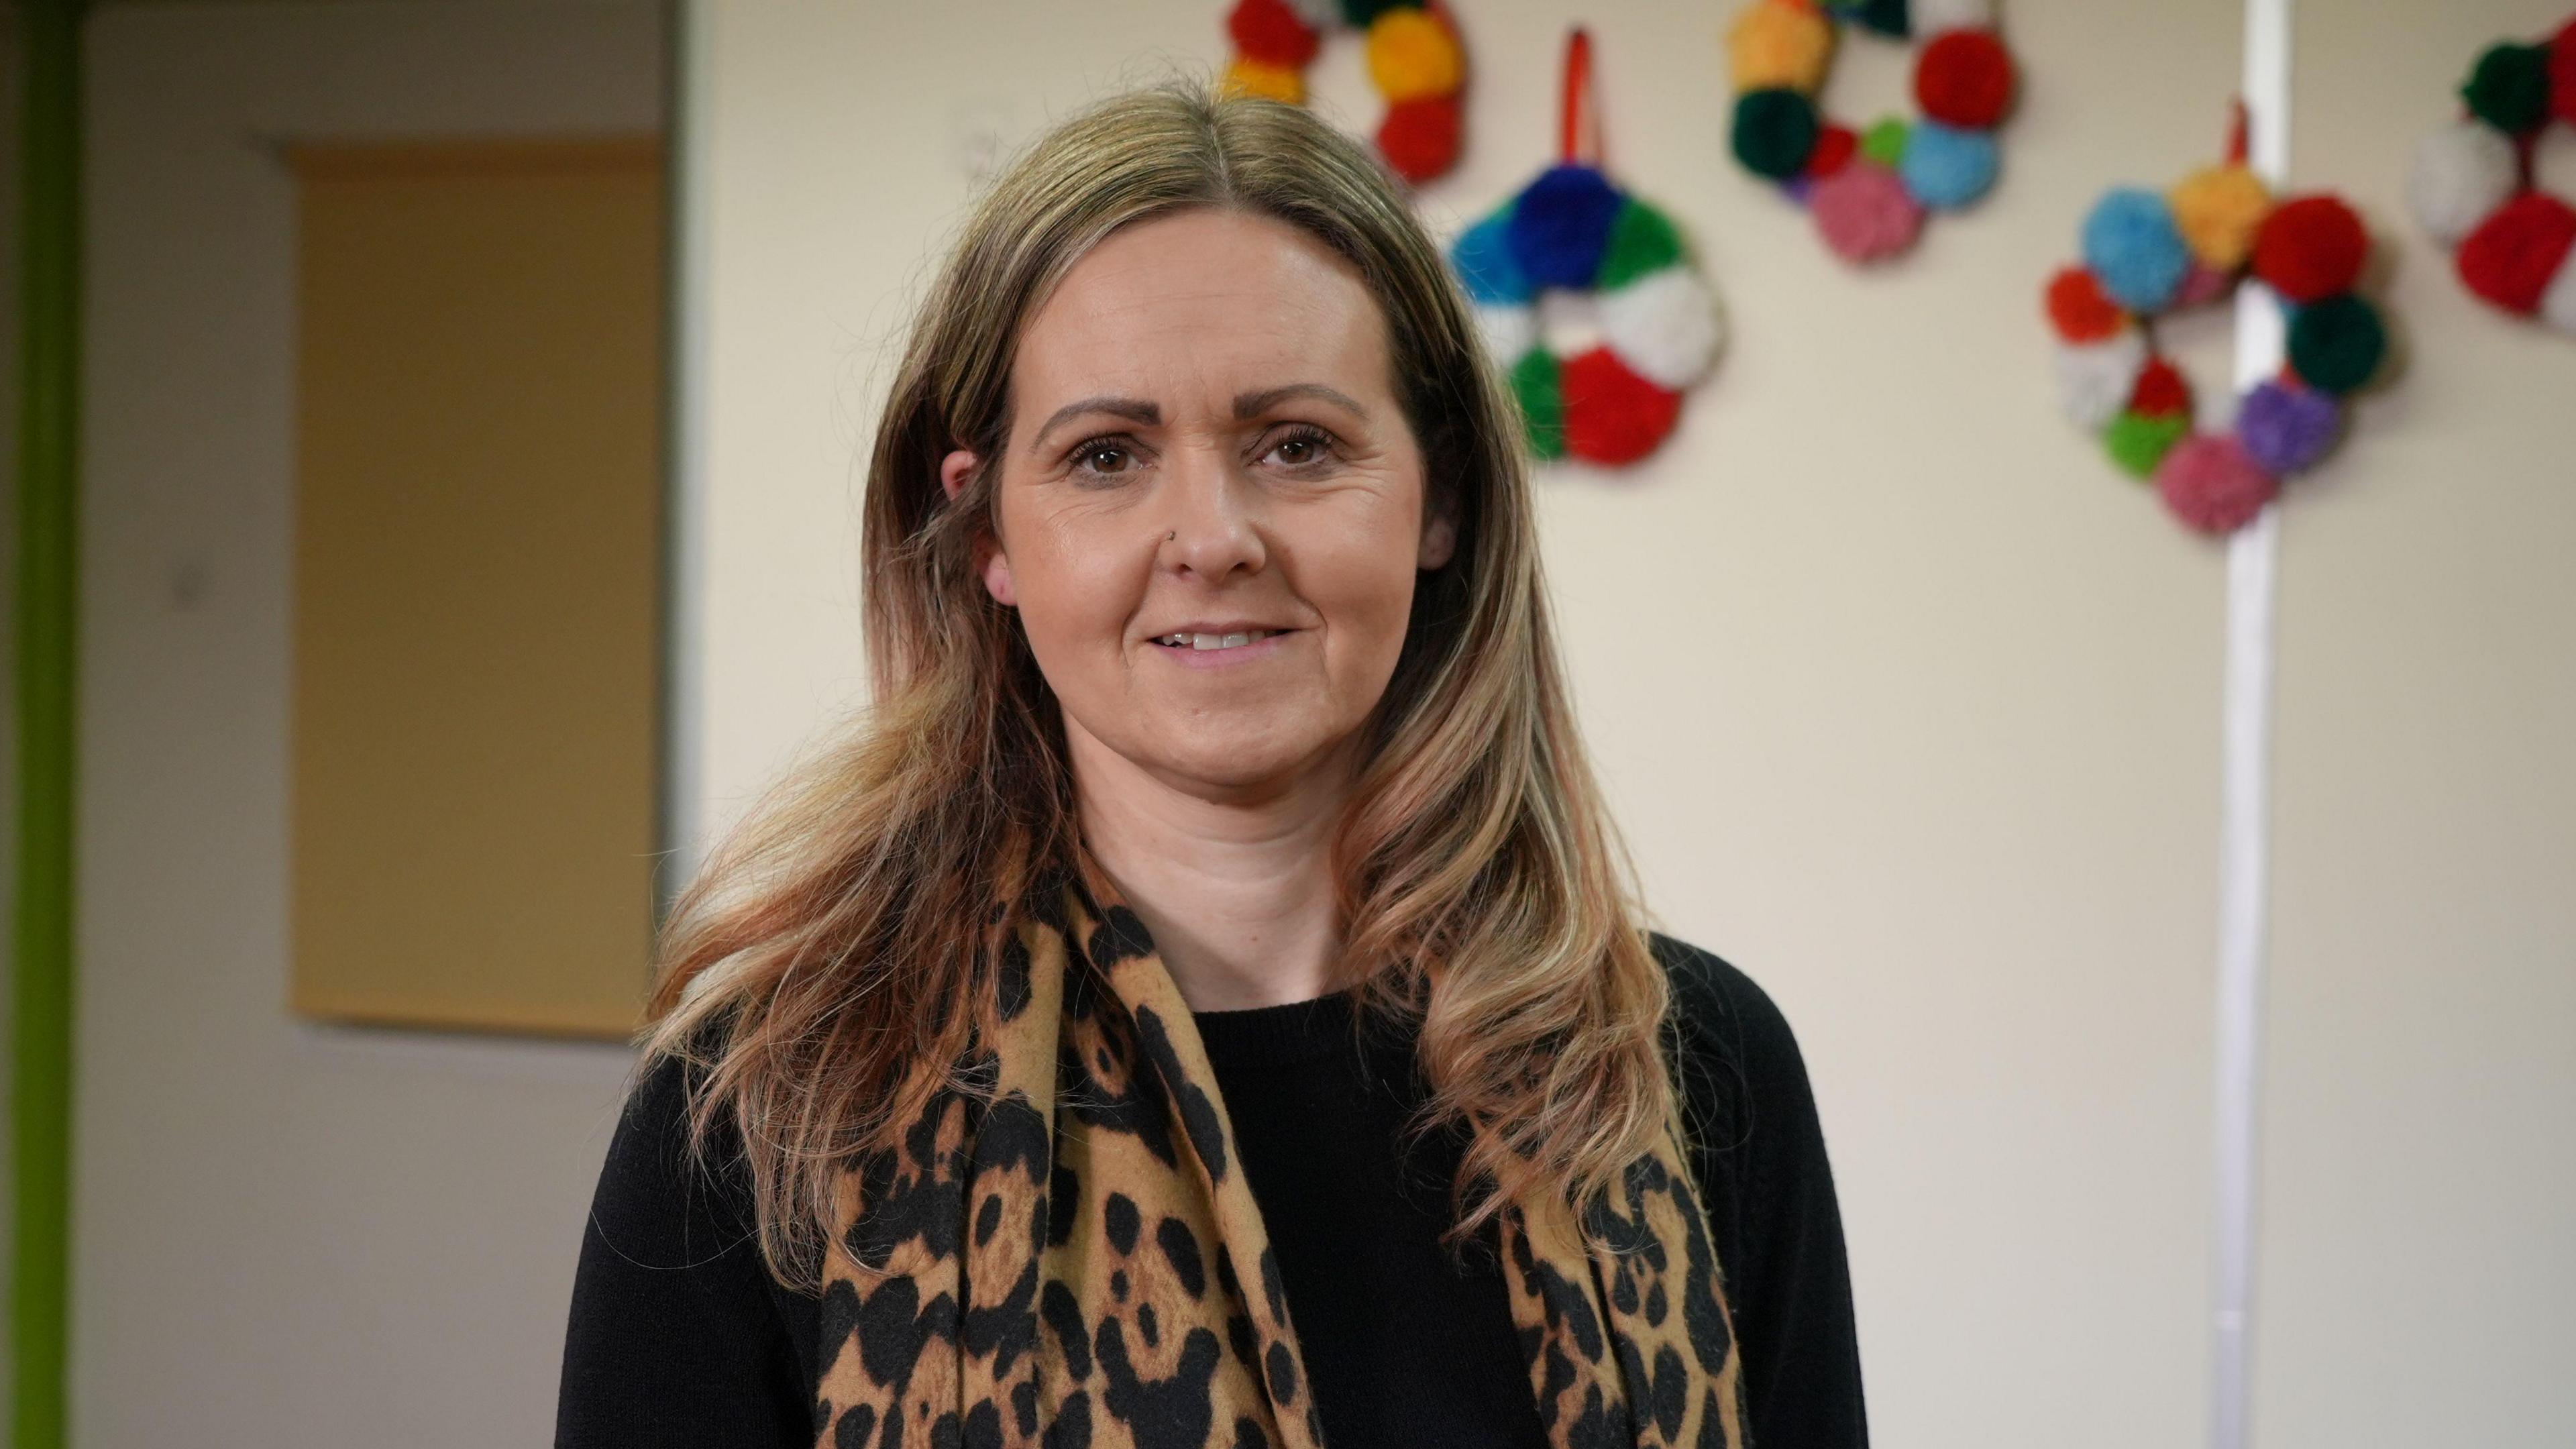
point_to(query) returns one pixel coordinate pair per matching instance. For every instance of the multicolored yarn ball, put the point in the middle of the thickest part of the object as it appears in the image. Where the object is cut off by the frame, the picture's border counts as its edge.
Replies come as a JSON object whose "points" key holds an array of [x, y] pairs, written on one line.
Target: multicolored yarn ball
{"points": [[2148, 255], [1869, 190], [2472, 185], [1597, 356], [1414, 58]]}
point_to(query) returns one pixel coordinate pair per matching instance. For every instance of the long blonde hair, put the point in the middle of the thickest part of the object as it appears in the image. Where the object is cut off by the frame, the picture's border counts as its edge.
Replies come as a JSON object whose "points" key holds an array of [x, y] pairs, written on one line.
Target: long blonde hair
{"points": [[821, 972]]}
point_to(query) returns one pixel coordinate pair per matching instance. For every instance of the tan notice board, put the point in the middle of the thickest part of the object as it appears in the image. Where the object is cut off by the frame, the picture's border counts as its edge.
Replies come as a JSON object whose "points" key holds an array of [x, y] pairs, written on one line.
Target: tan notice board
{"points": [[477, 583]]}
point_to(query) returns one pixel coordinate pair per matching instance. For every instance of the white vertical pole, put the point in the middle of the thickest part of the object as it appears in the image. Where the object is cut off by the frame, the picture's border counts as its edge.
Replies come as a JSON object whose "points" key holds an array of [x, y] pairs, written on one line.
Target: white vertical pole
{"points": [[2244, 893], [685, 509]]}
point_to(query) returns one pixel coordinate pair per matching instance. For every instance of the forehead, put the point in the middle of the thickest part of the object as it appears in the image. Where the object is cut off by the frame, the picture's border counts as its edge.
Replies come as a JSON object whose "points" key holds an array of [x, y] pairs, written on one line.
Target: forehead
{"points": [[1220, 300]]}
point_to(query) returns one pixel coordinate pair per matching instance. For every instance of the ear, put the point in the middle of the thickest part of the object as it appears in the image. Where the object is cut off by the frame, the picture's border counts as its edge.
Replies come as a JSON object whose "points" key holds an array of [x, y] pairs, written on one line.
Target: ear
{"points": [[1439, 539], [995, 566]]}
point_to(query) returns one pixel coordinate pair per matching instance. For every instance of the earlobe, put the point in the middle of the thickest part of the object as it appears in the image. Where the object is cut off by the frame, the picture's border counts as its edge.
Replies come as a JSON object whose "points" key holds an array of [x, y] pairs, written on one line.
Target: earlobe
{"points": [[997, 579], [1439, 541]]}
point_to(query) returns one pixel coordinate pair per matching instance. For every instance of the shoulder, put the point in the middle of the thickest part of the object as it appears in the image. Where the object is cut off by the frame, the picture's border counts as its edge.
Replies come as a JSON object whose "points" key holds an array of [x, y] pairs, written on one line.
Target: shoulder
{"points": [[665, 1197], [1734, 1056]]}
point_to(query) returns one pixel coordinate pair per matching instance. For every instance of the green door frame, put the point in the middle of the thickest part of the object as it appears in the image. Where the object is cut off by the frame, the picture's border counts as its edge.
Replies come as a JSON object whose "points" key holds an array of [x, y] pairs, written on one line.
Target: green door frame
{"points": [[47, 668]]}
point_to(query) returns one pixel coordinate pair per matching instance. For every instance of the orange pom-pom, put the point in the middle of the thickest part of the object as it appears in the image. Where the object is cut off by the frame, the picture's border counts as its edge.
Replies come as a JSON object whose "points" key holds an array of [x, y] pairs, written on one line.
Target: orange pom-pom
{"points": [[1413, 53], [1779, 45], [1249, 77], [2080, 310], [1965, 78]]}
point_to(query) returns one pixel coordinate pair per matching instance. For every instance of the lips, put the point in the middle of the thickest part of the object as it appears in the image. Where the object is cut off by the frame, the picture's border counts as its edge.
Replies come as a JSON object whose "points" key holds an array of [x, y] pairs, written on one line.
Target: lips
{"points": [[1201, 640]]}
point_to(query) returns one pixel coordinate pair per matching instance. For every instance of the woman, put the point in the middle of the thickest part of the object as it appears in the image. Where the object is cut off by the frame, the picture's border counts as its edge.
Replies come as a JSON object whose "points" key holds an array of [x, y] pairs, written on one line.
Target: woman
{"points": [[1203, 1003]]}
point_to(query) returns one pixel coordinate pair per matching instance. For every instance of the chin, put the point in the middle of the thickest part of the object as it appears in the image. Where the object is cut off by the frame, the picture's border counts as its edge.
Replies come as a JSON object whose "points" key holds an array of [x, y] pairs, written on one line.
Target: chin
{"points": [[1257, 752]]}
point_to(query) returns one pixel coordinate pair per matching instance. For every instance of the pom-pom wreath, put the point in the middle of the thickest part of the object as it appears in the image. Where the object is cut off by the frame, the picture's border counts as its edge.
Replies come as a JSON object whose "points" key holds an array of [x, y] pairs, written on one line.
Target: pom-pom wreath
{"points": [[2510, 259], [2287, 428], [2211, 484], [1413, 55], [1964, 78], [1779, 45], [2462, 173], [2472, 182], [1865, 213], [1946, 168], [2310, 248], [2509, 87], [1779, 53], [1420, 137], [2148, 256], [1414, 59], [2080, 310], [2336, 343], [2217, 210], [1270, 32], [1775, 131], [2138, 443], [2132, 245], [1588, 298], [1560, 225]]}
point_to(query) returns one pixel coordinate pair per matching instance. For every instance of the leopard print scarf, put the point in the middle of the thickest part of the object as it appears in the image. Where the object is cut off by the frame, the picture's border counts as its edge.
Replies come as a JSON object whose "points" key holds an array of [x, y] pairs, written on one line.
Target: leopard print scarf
{"points": [[1081, 1263]]}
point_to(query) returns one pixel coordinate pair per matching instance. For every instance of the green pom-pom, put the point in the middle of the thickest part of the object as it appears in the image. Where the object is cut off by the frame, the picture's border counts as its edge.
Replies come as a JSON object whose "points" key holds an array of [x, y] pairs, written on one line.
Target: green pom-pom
{"points": [[1887, 17], [2138, 443], [1775, 132], [1542, 397], [1642, 240], [1358, 13], [2509, 89], [2336, 344], [1884, 143]]}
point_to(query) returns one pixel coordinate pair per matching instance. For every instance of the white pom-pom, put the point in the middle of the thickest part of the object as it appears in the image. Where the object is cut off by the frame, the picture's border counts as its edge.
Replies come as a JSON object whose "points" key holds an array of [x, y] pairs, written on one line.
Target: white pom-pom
{"points": [[1509, 332], [2558, 301], [1927, 18], [2462, 173], [2094, 380], [1319, 15], [1664, 325]]}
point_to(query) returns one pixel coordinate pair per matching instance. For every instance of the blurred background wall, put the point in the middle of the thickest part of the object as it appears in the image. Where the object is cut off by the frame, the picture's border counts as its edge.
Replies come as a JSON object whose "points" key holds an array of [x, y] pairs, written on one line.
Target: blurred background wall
{"points": [[1908, 703]]}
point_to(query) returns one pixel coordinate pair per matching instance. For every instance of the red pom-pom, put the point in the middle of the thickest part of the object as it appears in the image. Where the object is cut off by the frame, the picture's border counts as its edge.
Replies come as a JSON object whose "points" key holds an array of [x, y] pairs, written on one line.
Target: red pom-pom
{"points": [[2562, 74], [2512, 255], [1835, 146], [1964, 78], [1269, 32], [1611, 414], [2079, 309], [2311, 248], [2162, 391], [1419, 137]]}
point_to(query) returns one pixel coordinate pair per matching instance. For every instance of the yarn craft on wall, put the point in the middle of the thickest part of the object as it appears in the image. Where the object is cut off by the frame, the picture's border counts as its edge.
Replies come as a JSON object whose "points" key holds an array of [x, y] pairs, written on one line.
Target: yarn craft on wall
{"points": [[1414, 59], [2148, 255], [2472, 185], [1588, 296], [1869, 191]]}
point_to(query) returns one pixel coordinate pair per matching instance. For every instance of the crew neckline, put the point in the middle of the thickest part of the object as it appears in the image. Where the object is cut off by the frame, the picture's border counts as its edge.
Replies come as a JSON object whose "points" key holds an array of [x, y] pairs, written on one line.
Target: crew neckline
{"points": [[1291, 1031]]}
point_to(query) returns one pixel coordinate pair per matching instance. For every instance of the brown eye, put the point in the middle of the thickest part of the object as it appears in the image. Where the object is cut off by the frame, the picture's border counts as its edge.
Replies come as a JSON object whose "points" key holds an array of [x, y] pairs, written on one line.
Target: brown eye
{"points": [[1302, 449], [1101, 458]]}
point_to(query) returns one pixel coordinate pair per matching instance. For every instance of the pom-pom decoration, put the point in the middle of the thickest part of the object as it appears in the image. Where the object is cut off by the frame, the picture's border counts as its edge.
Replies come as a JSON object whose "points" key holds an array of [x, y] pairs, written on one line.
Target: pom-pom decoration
{"points": [[2472, 186], [1588, 299], [1868, 191], [2149, 255], [1414, 58]]}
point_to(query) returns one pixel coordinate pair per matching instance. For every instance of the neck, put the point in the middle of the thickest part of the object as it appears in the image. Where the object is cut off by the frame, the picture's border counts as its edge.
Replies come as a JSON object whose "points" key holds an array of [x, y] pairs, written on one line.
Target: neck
{"points": [[1236, 886]]}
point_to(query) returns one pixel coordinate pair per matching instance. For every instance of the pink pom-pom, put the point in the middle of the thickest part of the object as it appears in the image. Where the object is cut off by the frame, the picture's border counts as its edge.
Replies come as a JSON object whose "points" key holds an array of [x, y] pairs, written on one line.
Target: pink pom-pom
{"points": [[1865, 212], [2212, 484], [2203, 285]]}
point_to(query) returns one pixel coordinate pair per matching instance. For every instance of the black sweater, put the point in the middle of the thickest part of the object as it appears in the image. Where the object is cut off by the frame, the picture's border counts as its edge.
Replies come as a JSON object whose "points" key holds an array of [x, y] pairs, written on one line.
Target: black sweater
{"points": [[679, 1336]]}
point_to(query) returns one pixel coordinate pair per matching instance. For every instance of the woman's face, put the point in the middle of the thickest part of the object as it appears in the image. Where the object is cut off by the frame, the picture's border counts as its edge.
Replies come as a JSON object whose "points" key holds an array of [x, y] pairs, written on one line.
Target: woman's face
{"points": [[1210, 508]]}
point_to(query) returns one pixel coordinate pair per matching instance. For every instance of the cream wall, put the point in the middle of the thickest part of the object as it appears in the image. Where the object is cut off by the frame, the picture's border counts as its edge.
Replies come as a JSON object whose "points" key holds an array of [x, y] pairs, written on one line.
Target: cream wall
{"points": [[284, 1235], [1909, 706]]}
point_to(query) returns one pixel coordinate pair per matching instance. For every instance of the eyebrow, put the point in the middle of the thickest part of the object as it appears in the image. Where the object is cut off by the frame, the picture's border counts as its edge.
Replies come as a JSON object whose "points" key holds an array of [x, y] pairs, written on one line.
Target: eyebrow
{"points": [[1134, 410], [1252, 404]]}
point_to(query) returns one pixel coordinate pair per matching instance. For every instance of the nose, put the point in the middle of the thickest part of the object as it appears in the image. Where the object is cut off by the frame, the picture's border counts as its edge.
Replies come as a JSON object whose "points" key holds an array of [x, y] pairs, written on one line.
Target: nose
{"points": [[1209, 519]]}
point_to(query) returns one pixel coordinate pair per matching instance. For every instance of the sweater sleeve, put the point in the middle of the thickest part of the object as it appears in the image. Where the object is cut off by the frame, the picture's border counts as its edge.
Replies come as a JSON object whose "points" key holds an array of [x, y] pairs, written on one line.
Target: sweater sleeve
{"points": [[1769, 1191], [676, 1336]]}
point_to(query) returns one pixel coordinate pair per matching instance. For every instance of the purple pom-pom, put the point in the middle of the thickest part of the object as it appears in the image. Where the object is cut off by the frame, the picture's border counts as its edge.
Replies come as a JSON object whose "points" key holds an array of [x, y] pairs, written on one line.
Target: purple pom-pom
{"points": [[2287, 428], [1560, 226]]}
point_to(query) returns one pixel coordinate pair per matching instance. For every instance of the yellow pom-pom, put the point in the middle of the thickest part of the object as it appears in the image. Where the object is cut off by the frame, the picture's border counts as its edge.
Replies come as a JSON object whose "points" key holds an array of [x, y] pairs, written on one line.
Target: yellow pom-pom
{"points": [[1413, 54], [1780, 45], [1249, 77], [2218, 209]]}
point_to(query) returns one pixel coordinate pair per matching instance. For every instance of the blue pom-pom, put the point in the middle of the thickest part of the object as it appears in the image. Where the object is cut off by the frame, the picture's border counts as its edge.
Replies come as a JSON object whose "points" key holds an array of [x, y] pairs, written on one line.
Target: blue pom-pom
{"points": [[1482, 257], [1560, 226], [2133, 248], [1945, 167]]}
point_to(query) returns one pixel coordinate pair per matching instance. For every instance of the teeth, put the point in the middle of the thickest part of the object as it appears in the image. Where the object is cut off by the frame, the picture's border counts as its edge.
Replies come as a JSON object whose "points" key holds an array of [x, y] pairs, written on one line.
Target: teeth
{"points": [[1215, 641]]}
